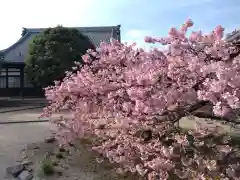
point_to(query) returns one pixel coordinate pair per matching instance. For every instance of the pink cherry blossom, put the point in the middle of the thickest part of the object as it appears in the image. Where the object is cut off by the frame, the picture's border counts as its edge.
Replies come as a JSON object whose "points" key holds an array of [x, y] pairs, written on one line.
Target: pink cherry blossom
{"points": [[128, 98]]}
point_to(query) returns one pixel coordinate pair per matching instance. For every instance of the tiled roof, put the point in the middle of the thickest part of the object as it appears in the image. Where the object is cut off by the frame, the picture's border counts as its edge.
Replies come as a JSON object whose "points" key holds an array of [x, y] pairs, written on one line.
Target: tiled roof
{"points": [[235, 35], [16, 43], [95, 34], [82, 29]]}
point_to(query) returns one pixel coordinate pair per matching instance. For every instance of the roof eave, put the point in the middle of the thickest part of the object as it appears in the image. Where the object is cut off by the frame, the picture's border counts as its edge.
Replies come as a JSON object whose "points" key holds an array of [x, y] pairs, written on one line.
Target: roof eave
{"points": [[83, 29], [16, 43]]}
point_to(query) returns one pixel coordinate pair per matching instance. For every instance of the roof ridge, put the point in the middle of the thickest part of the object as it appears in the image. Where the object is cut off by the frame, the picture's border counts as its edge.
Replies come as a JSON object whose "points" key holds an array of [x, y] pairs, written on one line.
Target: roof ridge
{"points": [[87, 28], [233, 35], [93, 29], [78, 27]]}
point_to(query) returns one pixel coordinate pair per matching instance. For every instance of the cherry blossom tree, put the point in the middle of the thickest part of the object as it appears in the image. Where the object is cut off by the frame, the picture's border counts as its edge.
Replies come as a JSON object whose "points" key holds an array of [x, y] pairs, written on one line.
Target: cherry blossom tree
{"points": [[132, 99]]}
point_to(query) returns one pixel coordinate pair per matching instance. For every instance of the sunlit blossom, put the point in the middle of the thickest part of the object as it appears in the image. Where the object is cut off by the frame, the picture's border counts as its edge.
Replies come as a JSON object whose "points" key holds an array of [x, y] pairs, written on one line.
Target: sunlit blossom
{"points": [[118, 90]]}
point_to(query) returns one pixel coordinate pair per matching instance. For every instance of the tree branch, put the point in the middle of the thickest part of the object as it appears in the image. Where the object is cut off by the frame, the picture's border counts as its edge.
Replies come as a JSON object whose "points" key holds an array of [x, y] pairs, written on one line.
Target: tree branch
{"points": [[210, 116], [176, 115], [197, 106]]}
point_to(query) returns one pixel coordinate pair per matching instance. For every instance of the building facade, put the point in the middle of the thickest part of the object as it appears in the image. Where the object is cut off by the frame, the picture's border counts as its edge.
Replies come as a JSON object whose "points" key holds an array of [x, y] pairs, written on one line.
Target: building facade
{"points": [[13, 82]]}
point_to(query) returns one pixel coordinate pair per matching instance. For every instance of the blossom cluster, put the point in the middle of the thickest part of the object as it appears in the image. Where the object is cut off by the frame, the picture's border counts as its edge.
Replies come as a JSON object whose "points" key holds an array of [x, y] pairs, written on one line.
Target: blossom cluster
{"points": [[119, 88]]}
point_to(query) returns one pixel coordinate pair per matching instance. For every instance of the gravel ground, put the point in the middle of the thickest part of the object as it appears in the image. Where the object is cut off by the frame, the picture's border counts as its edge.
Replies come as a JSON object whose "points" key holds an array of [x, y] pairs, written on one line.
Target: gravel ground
{"points": [[77, 164], [15, 137]]}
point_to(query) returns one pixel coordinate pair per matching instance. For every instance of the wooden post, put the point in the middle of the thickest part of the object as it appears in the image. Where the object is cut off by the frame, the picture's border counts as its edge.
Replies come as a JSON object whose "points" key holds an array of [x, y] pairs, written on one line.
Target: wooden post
{"points": [[6, 77], [21, 82]]}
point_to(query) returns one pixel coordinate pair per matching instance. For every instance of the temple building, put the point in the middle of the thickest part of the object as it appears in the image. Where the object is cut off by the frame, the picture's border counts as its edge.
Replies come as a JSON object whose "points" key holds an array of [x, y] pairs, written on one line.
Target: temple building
{"points": [[12, 79]]}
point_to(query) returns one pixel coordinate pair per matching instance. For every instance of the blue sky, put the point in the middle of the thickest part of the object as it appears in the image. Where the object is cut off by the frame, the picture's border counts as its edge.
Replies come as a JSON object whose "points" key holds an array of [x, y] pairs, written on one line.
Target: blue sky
{"points": [[138, 18]]}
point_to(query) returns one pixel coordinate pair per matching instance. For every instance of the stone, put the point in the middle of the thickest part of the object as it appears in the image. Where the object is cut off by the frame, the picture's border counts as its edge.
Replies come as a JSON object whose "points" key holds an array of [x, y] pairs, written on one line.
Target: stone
{"points": [[24, 156], [50, 140], [25, 175], [36, 147], [14, 171], [29, 169], [26, 162]]}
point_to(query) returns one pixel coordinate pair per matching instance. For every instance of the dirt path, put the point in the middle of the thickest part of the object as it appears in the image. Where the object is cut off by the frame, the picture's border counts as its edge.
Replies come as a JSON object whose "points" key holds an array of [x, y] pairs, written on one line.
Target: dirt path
{"points": [[26, 115], [18, 141], [15, 137], [76, 164]]}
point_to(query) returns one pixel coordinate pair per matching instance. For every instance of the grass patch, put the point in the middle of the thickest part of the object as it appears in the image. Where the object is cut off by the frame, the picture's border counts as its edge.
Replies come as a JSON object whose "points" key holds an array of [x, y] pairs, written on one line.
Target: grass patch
{"points": [[47, 168]]}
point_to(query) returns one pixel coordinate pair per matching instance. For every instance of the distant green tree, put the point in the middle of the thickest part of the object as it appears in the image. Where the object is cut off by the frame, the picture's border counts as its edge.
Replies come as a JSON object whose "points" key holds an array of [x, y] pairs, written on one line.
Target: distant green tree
{"points": [[53, 52]]}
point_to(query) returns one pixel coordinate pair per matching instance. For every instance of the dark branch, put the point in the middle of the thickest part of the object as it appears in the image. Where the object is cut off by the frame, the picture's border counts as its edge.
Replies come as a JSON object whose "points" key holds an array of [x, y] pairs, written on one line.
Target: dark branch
{"points": [[176, 115], [210, 116], [197, 106]]}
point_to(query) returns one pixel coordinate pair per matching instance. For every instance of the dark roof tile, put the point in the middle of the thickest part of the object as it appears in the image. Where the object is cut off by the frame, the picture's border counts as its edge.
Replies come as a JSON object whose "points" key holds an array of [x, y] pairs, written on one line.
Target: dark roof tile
{"points": [[96, 34]]}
